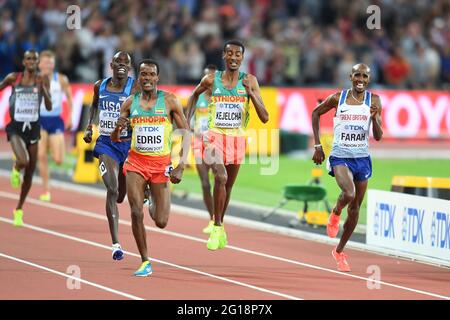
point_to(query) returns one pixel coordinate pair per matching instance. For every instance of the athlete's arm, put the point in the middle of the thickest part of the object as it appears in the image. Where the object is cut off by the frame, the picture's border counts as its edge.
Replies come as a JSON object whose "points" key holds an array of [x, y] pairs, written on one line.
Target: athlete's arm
{"points": [[252, 87], [323, 107], [44, 89], [375, 113], [205, 84], [65, 85], [135, 87], [8, 80], [176, 111], [92, 113], [122, 122]]}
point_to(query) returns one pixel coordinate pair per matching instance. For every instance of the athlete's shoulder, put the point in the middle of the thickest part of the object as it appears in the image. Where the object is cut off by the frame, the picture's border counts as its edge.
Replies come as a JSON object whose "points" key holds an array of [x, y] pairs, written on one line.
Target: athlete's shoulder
{"points": [[98, 83]]}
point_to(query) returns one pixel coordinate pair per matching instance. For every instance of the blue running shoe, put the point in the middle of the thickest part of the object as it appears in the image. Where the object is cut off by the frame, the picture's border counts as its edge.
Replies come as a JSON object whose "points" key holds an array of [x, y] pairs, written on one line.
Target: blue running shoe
{"points": [[144, 270], [117, 253]]}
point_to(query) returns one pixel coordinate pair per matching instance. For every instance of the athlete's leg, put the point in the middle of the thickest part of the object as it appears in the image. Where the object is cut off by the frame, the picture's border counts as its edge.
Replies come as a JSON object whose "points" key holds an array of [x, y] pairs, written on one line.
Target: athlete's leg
{"points": [[344, 179], [122, 185], [20, 152], [232, 172], [135, 192], [203, 173], [352, 214], [109, 175], [32, 151], [219, 193], [43, 159], [57, 147], [160, 207]]}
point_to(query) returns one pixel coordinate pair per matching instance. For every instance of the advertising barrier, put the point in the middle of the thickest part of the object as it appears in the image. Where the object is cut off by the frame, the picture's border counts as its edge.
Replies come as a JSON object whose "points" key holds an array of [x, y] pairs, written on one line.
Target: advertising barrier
{"points": [[409, 224], [406, 114]]}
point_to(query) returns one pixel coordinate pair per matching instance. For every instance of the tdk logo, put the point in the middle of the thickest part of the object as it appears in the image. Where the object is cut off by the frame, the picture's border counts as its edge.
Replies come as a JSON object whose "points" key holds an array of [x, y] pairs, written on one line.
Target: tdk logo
{"points": [[384, 220], [412, 225], [354, 127], [440, 230]]}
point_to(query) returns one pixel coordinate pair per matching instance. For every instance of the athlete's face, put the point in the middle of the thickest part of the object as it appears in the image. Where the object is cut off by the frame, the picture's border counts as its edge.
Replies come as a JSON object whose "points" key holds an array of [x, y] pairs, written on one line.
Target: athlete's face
{"points": [[360, 78], [30, 61], [148, 77], [46, 65], [121, 65], [233, 56]]}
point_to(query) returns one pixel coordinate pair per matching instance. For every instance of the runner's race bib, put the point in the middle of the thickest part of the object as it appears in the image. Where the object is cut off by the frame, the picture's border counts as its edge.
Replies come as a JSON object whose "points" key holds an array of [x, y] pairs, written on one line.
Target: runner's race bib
{"points": [[26, 107], [107, 123], [228, 115], [149, 138]]}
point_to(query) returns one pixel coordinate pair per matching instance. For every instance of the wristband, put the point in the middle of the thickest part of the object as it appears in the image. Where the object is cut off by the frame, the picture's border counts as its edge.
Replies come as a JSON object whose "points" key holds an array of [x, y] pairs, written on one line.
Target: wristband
{"points": [[317, 145]]}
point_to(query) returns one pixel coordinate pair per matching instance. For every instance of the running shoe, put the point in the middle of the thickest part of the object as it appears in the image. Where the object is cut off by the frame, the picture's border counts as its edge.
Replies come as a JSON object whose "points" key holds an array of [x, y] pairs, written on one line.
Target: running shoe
{"points": [[18, 214], [117, 252], [208, 229], [147, 196], [214, 238], [341, 260], [15, 178], [223, 240], [45, 197], [144, 270], [333, 225]]}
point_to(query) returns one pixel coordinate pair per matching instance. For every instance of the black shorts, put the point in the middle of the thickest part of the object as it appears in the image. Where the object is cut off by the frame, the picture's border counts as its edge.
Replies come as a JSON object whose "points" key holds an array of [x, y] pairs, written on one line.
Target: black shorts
{"points": [[29, 134]]}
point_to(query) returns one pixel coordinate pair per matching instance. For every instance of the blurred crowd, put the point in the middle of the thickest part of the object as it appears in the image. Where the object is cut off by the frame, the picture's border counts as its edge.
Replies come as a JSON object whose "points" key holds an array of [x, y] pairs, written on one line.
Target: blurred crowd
{"points": [[288, 42]]}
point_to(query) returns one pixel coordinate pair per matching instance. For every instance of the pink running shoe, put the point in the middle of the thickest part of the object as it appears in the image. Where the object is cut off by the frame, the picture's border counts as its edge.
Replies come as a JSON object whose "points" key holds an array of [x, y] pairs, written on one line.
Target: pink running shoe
{"points": [[341, 260], [333, 225]]}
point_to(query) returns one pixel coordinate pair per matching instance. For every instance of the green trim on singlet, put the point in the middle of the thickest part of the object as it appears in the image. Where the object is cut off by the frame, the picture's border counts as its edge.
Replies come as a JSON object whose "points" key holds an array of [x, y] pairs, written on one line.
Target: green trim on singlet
{"points": [[156, 116]]}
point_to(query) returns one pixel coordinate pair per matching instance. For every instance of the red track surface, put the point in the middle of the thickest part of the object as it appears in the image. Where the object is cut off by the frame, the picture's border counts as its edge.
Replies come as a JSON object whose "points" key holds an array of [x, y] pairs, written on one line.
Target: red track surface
{"points": [[182, 267]]}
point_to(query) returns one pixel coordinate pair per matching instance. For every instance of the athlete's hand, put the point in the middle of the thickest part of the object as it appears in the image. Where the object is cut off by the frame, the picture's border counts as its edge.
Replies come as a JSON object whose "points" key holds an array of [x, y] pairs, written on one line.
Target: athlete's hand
{"points": [[68, 124], [374, 110], [88, 135], [319, 155], [176, 174], [247, 86]]}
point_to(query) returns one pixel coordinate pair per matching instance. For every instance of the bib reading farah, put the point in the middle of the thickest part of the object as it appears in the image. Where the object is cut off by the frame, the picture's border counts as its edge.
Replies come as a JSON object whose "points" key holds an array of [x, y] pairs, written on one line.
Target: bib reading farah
{"points": [[351, 128]]}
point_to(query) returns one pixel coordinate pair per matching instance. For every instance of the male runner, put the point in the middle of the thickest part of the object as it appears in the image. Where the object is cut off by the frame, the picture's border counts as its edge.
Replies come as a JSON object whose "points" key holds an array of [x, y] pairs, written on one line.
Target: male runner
{"points": [[349, 161], [109, 94], [52, 124], [199, 124], [225, 141], [23, 131], [151, 113]]}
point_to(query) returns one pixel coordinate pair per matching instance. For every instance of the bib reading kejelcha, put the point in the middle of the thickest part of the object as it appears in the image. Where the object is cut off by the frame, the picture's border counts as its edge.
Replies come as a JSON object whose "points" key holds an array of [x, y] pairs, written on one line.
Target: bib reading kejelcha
{"points": [[151, 128], [228, 109]]}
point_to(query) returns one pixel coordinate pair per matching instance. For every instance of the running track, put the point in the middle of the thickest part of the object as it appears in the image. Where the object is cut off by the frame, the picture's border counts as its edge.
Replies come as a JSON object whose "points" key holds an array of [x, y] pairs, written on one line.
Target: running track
{"points": [[73, 231]]}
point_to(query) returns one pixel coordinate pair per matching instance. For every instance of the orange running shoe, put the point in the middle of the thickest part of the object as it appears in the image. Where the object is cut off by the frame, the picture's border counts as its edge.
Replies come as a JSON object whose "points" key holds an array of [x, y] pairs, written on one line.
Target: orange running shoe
{"points": [[341, 260], [333, 225]]}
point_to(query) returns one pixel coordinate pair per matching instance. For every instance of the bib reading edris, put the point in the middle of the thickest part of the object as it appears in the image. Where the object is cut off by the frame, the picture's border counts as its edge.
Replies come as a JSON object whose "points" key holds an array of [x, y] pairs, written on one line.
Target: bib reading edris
{"points": [[151, 128]]}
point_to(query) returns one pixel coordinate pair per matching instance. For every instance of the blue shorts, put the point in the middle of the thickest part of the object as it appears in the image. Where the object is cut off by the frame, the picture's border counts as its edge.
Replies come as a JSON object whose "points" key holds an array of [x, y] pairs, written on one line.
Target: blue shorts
{"points": [[361, 168], [116, 150], [52, 124]]}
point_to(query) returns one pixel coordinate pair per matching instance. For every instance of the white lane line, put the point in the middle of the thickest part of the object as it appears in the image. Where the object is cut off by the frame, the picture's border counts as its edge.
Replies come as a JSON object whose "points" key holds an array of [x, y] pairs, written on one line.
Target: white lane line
{"points": [[99, 245], [93, 284], [183, 236]]}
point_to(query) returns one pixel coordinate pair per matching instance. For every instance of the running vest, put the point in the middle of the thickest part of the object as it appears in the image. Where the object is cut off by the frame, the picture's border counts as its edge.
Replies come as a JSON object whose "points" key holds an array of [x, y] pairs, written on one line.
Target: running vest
{"points": [[351, 128], [151, 128], [24, 103], [109, 104], [201, 117], [228, 109], [56, 93]]}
